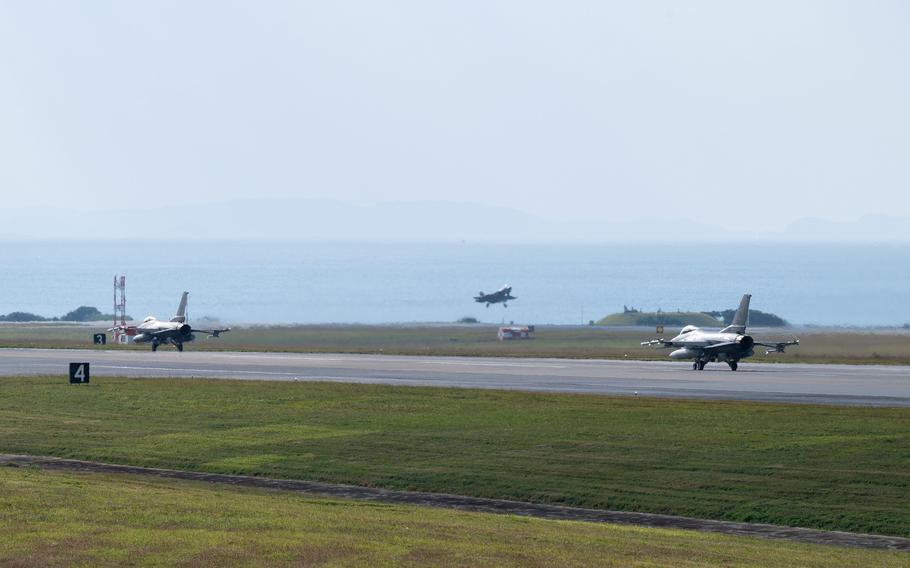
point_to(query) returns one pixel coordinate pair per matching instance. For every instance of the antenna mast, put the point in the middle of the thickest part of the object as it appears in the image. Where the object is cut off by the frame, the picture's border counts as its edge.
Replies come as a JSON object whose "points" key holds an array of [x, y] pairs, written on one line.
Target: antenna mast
{"points": [[119, 307]]}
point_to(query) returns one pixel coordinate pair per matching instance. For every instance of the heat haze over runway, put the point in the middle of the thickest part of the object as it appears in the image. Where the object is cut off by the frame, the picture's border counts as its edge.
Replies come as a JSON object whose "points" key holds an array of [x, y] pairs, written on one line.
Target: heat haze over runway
{"points": [[877, 385]]}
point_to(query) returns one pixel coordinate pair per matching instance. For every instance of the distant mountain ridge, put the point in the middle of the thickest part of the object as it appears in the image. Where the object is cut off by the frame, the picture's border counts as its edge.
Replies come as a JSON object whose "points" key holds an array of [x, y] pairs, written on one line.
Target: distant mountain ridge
{"points": [[869, 228], [408, 221]]}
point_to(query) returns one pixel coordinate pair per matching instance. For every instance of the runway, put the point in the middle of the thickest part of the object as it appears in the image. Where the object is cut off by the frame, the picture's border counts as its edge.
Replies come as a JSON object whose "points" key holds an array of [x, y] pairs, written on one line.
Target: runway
{"points": [[868, 385]]}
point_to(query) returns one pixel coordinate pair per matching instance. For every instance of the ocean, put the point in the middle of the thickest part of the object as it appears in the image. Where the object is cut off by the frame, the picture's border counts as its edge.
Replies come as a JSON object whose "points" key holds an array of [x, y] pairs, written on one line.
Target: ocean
{"points": [[283, 283]]}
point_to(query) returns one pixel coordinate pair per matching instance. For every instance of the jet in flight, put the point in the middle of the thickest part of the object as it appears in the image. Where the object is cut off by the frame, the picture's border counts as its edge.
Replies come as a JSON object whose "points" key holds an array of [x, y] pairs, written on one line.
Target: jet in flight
{"points": [[176, 331], [729, 344], [503, 295]]}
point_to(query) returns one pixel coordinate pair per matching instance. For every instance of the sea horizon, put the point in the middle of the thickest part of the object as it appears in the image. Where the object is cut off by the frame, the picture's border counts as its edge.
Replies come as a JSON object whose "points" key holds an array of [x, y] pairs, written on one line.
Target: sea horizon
{"points": [[301, 282]]}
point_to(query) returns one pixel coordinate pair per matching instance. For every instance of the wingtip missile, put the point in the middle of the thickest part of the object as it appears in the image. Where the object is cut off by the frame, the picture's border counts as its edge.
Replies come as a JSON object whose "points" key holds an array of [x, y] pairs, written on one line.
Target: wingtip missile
{"points": [[781, 347]]}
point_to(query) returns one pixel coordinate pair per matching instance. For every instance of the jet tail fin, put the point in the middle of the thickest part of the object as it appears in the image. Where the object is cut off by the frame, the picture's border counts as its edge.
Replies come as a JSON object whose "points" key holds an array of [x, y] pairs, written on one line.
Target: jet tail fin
{"points": [[740, 318], [180, 316]]}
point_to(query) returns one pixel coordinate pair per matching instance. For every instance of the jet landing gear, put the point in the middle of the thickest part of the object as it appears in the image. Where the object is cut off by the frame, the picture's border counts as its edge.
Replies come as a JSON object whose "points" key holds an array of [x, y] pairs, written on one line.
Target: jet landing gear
{"points": [[156, 344], [699, 365]]}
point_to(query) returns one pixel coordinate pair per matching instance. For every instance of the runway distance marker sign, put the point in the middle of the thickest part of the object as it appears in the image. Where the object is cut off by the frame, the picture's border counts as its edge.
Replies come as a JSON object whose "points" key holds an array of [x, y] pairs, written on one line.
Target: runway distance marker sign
{"points": [[79, 373]]}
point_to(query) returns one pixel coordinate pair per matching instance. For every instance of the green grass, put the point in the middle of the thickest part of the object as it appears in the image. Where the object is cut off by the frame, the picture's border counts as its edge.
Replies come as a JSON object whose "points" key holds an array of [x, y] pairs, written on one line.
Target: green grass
{"points": [[892, 347], [827, 467], [69, 519]]}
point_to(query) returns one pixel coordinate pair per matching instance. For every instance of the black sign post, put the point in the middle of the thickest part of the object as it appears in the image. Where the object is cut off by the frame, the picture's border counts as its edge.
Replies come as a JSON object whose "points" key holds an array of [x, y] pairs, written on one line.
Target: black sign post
{"points": [[99, 339], [78, 373]]}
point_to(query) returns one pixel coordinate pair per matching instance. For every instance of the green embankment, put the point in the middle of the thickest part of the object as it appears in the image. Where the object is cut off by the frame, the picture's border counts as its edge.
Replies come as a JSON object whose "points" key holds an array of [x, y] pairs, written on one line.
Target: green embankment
{"points": [[827, 467], [713, 319], [669, 319], [67, 519]]}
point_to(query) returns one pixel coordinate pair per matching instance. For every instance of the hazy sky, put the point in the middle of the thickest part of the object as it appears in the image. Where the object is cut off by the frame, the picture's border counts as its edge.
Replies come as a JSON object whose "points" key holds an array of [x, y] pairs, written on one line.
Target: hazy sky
{"points": [[730, 111]]}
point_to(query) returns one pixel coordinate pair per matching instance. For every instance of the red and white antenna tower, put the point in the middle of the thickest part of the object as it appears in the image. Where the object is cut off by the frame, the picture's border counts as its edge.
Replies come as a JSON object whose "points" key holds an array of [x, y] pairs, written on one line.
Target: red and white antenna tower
{"points": [[119, 307]]}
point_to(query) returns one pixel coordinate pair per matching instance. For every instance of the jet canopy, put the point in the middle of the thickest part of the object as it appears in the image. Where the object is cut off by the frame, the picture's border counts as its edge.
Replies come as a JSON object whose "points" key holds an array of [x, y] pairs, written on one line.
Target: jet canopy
{"points": [[687, 329], [148, 319]]}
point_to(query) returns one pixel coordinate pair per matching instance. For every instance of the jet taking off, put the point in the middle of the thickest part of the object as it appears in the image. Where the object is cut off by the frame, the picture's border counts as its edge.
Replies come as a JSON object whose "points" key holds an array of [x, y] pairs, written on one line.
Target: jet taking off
{"points": [[176, 331], [503, 295], [729, 344]]}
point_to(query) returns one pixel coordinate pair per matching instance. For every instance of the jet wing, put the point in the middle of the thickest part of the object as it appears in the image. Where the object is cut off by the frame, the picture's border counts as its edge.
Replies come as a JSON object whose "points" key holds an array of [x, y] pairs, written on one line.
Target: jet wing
{"points": [[720, 347], [707, 349], [778, 347], [147, 332], [159, 332], [212, 332]]}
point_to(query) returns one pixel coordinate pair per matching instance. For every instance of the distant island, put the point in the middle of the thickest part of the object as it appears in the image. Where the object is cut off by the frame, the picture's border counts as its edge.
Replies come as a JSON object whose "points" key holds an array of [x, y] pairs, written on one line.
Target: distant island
{"points": [[634, 317], [80, 314]]}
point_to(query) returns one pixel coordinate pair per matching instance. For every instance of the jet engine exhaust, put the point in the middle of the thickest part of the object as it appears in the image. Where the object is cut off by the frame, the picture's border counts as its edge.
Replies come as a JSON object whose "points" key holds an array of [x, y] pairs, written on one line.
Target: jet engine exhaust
{"points": [[745, 341]]}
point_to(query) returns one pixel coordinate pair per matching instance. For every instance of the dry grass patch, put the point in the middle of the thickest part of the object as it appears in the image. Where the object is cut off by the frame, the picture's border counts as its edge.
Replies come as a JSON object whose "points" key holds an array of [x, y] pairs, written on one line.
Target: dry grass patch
{"points": [[76, 519]]}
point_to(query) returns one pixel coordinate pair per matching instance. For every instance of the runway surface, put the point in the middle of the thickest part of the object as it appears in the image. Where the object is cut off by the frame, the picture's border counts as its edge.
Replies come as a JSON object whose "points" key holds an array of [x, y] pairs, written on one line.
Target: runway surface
{"points": [[823, 384]]}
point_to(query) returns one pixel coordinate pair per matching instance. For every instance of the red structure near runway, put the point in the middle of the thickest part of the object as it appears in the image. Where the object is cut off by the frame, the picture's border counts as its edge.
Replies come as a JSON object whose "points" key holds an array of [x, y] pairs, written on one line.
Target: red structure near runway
{"points": [[515, 332]]}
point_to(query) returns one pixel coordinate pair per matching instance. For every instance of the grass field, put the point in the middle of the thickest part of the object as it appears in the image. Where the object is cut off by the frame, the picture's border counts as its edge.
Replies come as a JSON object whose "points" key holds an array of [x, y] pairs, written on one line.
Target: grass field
{"points": [[826, 467], [892, 347], [67, 519]]}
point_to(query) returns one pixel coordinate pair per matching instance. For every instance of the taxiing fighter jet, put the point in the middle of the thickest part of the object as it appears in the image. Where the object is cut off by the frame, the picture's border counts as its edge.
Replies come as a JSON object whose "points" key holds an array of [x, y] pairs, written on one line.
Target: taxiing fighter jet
{"points": [[729, 344], [503, 295], [176, 331]]}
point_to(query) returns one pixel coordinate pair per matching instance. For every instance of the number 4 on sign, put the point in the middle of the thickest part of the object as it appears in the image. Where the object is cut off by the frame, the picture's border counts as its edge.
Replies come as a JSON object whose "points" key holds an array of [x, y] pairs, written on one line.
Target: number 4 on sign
{"points": [[79, 373]]}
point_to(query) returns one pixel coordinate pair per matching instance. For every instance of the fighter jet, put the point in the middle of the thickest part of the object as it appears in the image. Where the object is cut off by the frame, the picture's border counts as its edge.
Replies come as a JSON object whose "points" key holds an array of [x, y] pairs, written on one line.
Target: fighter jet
{"points": [[502, 295], [176, 331], [729, 344]]}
